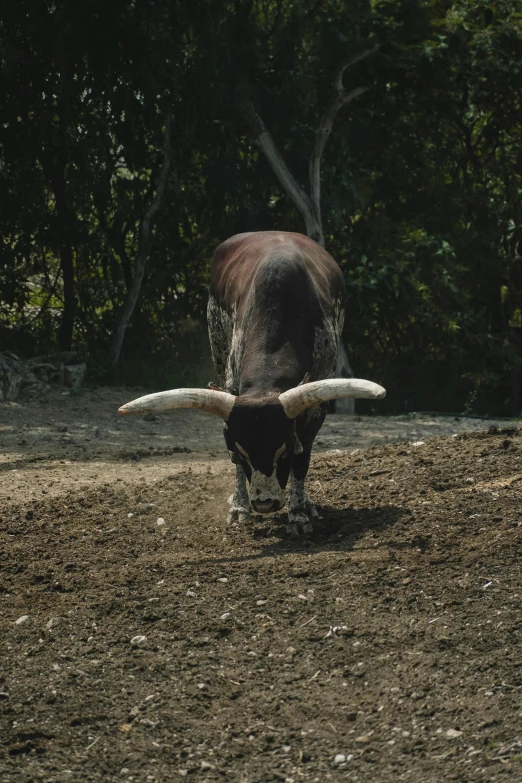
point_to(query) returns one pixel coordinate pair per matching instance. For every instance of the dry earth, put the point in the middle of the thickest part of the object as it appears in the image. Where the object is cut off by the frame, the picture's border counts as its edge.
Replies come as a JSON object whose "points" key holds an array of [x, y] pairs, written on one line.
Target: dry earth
{"points": [[385, 647]]}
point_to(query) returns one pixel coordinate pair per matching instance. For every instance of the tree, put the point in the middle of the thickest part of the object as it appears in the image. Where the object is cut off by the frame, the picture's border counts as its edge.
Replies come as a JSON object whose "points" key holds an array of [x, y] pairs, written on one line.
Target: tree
{"points": [[414, 186], [308, 203]]}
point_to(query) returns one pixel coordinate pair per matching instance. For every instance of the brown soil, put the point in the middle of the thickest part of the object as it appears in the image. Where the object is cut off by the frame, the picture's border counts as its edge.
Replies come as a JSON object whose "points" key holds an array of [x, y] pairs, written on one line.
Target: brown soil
{"points": [[385, 647]]}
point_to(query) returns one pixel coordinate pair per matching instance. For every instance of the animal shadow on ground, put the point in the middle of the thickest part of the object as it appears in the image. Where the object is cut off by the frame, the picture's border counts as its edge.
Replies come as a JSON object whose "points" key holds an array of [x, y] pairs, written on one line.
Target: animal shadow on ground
{"points": [[338, 527]]}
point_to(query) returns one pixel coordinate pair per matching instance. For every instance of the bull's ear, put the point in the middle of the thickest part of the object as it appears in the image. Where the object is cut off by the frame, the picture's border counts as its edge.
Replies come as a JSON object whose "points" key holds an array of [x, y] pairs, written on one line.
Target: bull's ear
{"points": [[306, 379]]}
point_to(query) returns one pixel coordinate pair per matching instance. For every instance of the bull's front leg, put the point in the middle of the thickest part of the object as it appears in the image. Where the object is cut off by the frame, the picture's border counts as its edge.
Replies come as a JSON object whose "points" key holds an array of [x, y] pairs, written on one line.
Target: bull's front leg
{"points": [[301, 510], [239, 502]]}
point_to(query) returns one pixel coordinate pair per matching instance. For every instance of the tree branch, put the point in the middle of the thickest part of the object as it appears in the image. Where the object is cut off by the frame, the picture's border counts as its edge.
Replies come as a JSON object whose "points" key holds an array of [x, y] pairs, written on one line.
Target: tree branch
{"points": [[160, 186], [286, 179], [325, 128], [341, 99], [263, 139], [309, 205], [143, 251], [354, 61]]}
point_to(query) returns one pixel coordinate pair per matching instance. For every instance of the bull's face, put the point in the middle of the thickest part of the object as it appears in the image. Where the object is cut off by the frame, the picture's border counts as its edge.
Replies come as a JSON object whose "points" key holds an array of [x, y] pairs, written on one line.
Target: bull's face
{"points": [[261, 438]]}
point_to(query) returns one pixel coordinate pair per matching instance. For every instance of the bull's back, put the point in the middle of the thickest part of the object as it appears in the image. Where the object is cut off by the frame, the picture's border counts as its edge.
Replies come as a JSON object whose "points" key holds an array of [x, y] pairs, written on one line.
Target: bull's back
{"points": [[238, 267], [282, 295]]}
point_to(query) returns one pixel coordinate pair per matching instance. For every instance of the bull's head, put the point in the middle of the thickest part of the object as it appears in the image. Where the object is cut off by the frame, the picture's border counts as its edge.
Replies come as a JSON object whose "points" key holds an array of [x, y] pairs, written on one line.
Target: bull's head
{"points": [[260, 431], [261, 438]]}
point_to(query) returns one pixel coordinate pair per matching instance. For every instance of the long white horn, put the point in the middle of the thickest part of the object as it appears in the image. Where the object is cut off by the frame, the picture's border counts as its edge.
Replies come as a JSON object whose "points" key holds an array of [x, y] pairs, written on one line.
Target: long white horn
{"points": [[217, 402], [298, 399]]}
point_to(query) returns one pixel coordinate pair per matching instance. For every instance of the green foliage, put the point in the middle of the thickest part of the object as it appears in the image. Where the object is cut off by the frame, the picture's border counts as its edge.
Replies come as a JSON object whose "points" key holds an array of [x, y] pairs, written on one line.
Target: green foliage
{"points": [[421, 178]]}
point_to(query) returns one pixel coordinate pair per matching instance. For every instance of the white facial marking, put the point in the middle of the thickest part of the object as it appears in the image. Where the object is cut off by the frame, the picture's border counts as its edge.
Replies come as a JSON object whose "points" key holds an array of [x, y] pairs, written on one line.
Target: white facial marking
{"points": [[298, 446], [264, 487], [243, 452], [267, 487], [278, 453]]}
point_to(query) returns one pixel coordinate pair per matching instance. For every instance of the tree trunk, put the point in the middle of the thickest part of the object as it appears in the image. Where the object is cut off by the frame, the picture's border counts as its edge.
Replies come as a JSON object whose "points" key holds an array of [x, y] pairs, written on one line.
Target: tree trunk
{"points": [[308, 204], [144, 246], [66, 220], [65, 332]]}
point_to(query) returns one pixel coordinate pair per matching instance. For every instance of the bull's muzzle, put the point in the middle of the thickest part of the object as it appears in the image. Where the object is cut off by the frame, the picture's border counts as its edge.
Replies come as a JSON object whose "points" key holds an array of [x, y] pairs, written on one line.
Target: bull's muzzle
{"points": [[266, 506], [266, 494]]}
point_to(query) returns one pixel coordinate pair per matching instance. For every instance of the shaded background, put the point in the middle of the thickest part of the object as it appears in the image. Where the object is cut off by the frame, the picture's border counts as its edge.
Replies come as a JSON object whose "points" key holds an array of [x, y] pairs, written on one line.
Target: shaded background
{"points": [[421, 180]]}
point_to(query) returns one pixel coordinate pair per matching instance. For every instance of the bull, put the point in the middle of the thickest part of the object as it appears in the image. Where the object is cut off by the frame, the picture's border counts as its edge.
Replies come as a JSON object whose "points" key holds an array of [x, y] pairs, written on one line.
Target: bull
{"points": [[275, 316]]}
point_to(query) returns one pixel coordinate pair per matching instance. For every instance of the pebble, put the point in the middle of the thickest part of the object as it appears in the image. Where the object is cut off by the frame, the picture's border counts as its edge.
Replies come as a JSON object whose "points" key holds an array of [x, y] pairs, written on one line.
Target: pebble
{"points": [[225, 616], [261, 603], [138, 639], [160, 522], [21, 620], [418, 443], [340, 758], [339, 630], [223, 579], [453, 733], [130, 515]]}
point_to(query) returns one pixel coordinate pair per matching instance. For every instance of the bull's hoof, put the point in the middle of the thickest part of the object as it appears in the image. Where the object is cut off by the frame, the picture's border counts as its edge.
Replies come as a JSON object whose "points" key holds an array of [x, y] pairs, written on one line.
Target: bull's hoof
{"points": [[301, 516], [299, 524], [237, 512], [238, 516], [311, 510]]}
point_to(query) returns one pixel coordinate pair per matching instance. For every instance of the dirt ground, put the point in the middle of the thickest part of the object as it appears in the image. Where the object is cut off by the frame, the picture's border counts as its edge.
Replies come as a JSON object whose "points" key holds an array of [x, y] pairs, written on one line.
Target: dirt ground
{"points": [[143, 639]]}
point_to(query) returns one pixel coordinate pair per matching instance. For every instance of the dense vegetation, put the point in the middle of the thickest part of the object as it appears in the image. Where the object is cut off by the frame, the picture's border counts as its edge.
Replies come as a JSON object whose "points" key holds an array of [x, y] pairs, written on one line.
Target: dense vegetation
{"points": [[135, 135]]}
